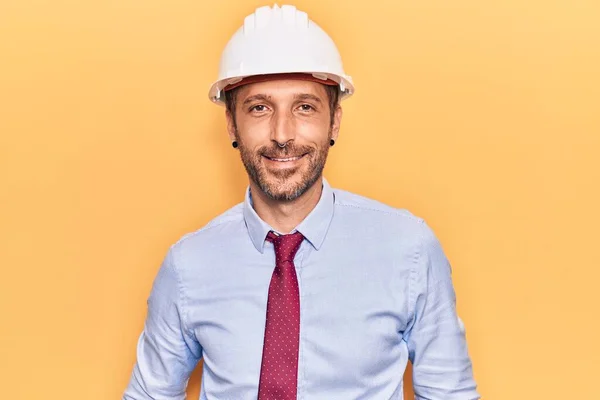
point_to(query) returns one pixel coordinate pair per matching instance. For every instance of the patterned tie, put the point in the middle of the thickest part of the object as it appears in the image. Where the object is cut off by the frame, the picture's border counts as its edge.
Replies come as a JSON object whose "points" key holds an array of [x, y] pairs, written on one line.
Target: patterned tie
{"points": [[279, 369]]}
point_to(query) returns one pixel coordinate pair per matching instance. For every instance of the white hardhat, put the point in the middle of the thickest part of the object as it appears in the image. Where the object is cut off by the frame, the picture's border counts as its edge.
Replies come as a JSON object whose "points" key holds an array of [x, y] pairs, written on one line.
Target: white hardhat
{"points": [[276, 40]]}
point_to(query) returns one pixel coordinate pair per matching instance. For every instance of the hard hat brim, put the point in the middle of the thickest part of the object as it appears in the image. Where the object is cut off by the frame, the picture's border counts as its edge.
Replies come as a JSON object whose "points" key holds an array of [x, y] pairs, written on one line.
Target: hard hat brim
{"points": [[218, 88], [271, 77]]}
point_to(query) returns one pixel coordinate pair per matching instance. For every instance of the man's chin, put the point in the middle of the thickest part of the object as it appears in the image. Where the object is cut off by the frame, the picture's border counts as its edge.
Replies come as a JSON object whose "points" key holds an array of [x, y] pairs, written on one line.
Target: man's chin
{"points": [[284, 189]]}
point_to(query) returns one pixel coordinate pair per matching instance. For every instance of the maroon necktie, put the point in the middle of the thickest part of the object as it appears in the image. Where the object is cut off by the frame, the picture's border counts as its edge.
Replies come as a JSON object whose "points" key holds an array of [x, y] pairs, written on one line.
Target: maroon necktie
{"points": [[279, 369]]}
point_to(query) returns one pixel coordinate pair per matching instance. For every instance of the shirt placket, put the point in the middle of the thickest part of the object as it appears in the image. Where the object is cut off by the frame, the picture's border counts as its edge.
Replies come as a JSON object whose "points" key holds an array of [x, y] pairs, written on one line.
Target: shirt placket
{"points": [[299, 264]]}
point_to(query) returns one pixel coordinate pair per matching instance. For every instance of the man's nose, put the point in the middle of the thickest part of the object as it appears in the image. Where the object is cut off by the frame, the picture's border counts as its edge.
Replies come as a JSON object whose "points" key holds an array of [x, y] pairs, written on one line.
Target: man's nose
{"points": [[283, 127]]}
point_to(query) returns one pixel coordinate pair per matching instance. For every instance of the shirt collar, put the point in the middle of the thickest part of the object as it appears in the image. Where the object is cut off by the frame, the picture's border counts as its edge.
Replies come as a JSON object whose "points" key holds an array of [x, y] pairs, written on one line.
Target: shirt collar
{"points": [[314, 227]]}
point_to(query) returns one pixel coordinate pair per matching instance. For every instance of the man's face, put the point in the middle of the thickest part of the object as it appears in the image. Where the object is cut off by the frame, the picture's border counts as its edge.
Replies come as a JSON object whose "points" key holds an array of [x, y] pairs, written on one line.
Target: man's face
{"points": [[291, 112]]}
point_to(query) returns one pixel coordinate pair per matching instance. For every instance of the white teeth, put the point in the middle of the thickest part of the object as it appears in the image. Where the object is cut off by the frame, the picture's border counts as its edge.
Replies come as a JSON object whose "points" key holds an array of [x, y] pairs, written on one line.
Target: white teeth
{"points": [[286, 159]]}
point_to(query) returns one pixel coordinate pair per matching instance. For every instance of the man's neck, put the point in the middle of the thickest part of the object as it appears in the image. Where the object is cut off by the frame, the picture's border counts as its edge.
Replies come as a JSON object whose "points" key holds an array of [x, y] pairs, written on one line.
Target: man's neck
{"points": [[285, 216]]}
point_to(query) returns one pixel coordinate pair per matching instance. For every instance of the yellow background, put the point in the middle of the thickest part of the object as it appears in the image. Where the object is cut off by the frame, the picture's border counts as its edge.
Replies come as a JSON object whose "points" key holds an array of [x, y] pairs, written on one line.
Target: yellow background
{"points": [[483, 117]]}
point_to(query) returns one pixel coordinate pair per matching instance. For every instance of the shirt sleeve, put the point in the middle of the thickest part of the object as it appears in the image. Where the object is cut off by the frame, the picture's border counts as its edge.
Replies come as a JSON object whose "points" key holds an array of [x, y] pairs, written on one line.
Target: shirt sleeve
{"points": [[442, 368], [167, 352]]}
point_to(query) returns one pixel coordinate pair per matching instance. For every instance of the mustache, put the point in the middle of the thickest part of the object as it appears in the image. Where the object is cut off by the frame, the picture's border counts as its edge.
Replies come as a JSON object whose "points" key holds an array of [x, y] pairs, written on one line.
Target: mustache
{"points": [[291, 150]]}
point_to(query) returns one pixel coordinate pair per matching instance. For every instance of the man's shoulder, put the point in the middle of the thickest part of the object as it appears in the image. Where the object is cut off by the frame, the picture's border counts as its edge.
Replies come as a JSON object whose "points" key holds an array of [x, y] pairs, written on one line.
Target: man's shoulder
{"points": [[221, 225], [391, 220], [353, 202]]}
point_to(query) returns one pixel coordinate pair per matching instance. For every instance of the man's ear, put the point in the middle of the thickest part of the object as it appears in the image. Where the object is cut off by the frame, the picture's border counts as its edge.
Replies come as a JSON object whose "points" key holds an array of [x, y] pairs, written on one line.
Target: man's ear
{"points": [[230, 125], [337, 121]]}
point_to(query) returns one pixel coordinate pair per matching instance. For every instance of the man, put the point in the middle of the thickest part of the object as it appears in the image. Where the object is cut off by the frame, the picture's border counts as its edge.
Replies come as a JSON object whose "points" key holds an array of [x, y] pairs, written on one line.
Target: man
{"points": [[302, 291]]}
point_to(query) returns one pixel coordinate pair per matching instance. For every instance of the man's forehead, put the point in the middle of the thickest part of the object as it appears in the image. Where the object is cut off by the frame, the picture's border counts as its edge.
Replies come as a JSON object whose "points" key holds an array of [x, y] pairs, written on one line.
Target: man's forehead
{"points": [[282, 88]]}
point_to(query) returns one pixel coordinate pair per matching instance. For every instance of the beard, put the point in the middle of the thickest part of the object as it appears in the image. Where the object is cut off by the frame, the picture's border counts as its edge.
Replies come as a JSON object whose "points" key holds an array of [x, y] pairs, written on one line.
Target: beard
{"points": [[280, 185]]}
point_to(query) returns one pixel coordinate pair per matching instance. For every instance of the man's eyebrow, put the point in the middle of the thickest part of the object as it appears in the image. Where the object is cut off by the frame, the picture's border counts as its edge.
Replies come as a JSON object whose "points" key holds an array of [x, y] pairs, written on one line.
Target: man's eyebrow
{"points": [[256, 97], [308, 96]]}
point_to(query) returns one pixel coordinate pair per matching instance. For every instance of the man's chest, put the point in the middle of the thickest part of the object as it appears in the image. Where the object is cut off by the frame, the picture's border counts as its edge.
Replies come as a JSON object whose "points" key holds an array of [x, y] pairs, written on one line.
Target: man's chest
{"points": [[352, 316]]}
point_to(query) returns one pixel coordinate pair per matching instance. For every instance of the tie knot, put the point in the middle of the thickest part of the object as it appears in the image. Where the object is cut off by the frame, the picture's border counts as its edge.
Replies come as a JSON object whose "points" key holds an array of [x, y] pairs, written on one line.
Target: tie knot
{"points": [[286, 246]]}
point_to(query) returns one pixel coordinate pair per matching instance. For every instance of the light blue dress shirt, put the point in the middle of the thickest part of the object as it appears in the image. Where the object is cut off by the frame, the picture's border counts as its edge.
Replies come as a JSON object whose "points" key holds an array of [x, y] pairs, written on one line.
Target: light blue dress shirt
{"points": [[375, 292]]}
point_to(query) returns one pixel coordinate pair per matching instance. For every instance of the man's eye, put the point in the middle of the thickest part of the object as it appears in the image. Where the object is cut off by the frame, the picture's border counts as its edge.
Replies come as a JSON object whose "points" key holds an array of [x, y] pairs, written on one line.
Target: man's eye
{"points": [[306, 107], [258, 108]]}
